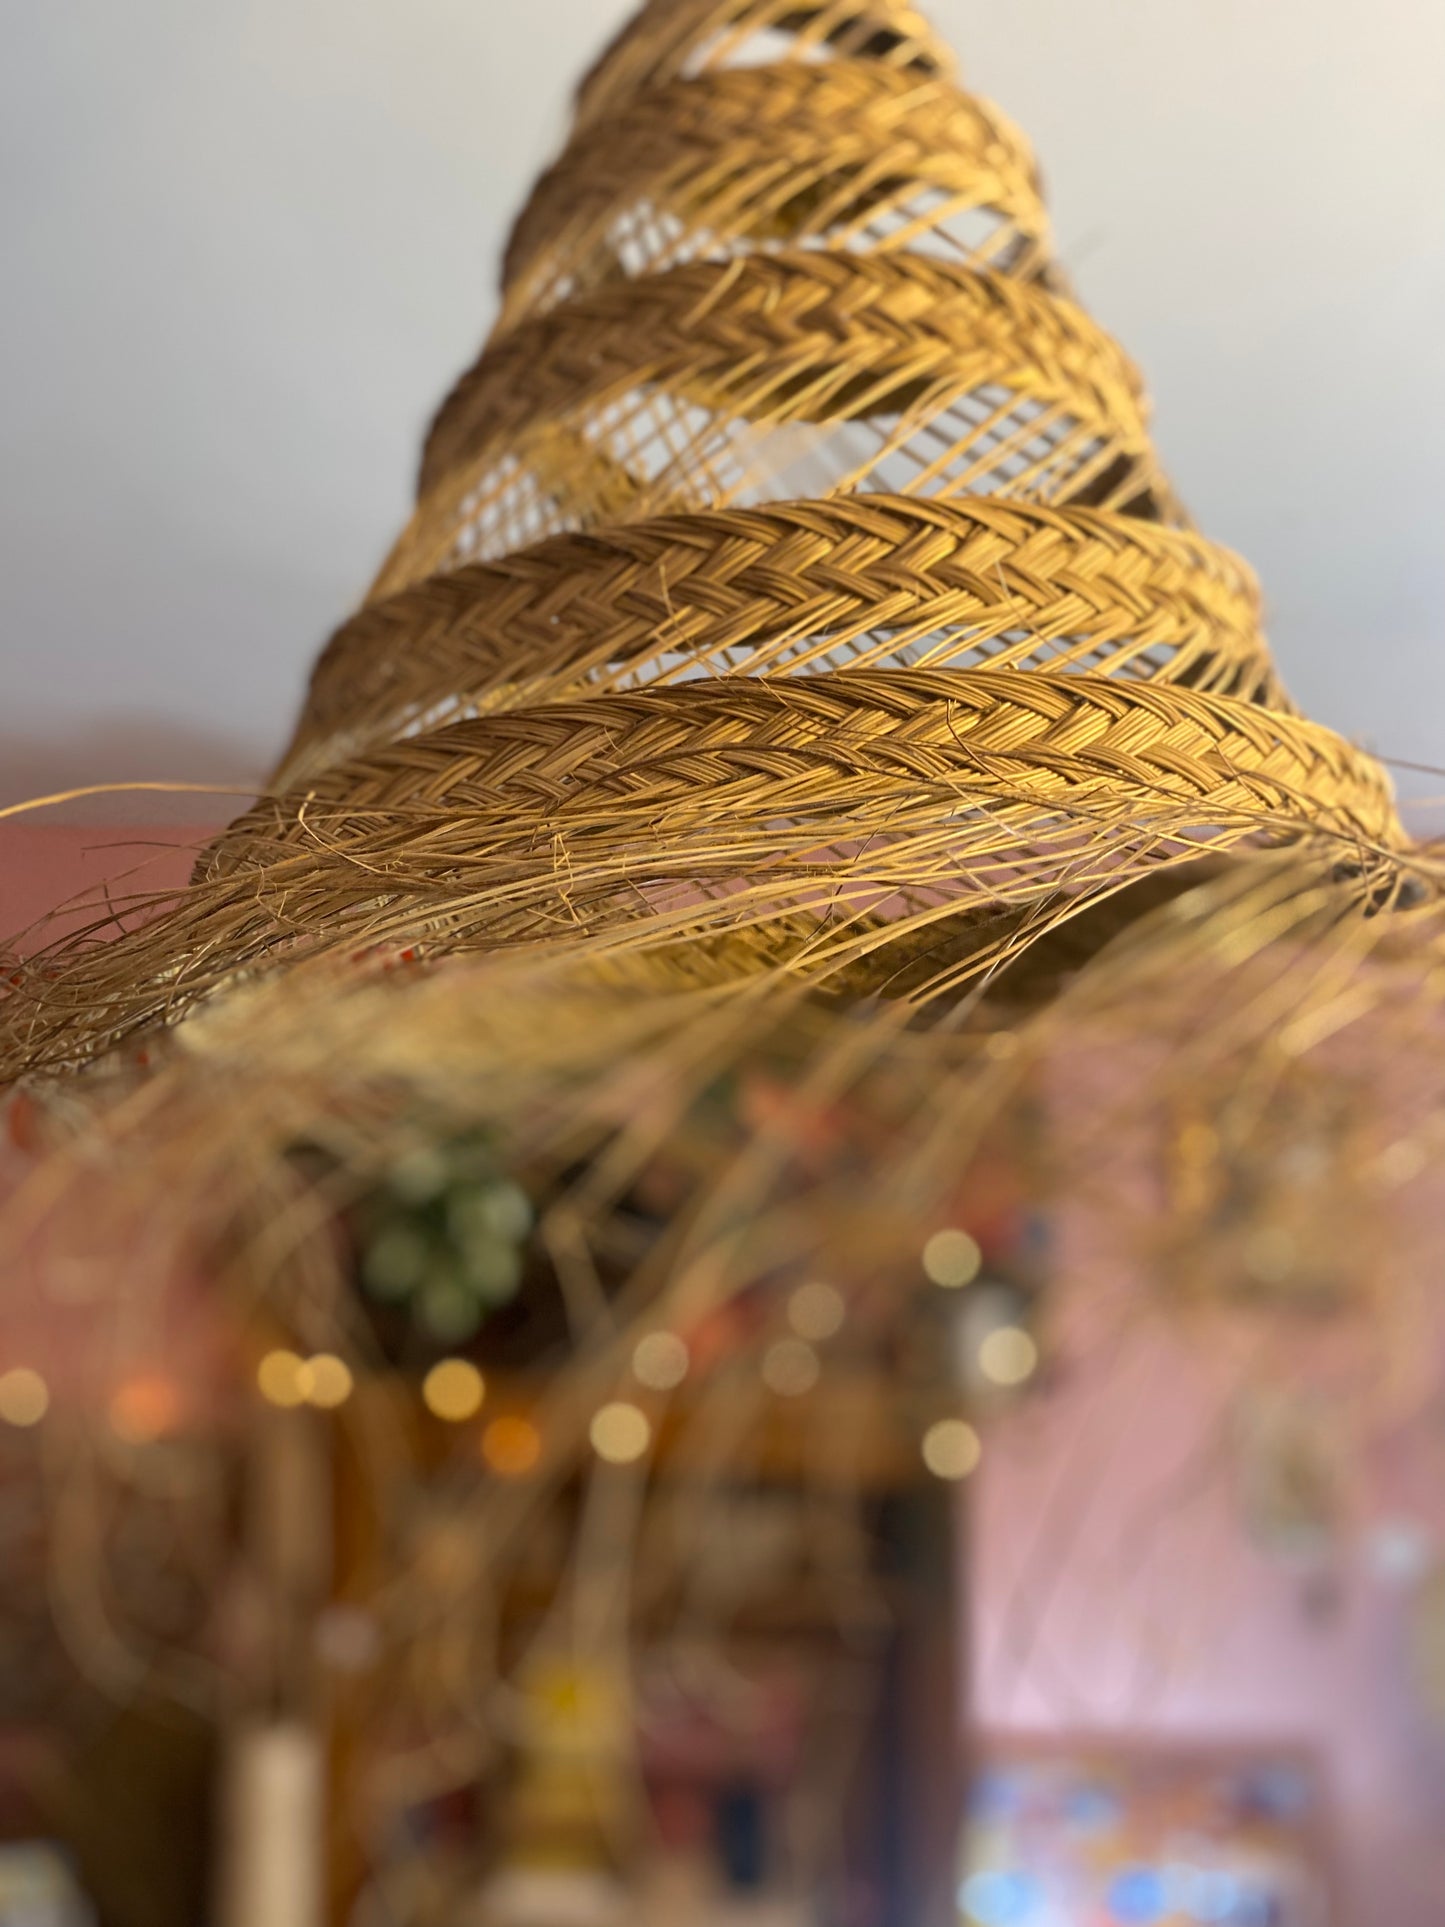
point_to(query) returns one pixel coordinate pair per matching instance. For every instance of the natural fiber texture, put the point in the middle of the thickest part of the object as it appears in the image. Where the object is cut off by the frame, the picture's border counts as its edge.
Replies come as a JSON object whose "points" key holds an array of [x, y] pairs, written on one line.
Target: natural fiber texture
{"points": [[871, 160], [983, 675], [732, 863], [856, 582], [713, 383]]}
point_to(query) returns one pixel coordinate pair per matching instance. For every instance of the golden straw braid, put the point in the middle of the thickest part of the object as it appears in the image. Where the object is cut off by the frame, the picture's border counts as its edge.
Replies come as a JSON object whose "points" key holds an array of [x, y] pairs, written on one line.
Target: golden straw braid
{"points": [[917, 376], [669, 38], [699, 714], [867, 159], [857, 794], [858, 580], [978, 735]]}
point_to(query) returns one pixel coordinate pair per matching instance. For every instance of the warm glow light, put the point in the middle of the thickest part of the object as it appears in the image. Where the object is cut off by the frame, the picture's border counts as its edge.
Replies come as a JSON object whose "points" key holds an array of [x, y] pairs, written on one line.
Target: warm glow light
{"points": [[282, 1379], [951, 1449], [952, 1259], [816, 1312], [661, 1361], [454, 1390], [24, 1396], [511, 1446], [144, 1409], [790, 1368], [327, 1381], [620, 1433], [1008, 1356]]}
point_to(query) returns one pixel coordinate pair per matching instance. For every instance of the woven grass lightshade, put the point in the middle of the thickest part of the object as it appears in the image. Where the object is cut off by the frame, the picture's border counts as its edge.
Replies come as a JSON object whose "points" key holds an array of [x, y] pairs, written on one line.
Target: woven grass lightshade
{"points": [[799, 716], [792, 573]]}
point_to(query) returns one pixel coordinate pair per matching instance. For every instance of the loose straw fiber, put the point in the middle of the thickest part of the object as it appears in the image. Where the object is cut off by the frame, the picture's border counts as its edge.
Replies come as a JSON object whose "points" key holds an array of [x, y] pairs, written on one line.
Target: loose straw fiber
{"points": [[791, 572]]}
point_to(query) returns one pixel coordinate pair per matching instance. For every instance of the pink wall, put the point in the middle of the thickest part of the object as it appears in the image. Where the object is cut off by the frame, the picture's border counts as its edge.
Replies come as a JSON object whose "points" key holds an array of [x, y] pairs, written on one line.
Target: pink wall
{"points": [[66, 1309], [44, 865], [1116, 1591]]}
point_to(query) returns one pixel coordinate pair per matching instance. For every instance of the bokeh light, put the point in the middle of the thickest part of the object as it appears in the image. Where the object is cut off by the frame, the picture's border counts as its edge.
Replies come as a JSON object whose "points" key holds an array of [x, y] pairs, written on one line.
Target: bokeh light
{"points": [[281, 1379], [951, 1258], [454, 1390], [661, 1361], [511, 1446], [327, 1380], [817, 1311], [620, 1433], [144, 1408], [1008, 1356], [791, 1368], [951, 1449], [24, 1396]]}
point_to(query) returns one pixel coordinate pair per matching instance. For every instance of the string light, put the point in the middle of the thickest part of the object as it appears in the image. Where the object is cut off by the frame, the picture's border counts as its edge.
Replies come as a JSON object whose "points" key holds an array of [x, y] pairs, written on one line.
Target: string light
{"points": [[285, 1379], [1008, 1356], [454, 1390], [951, 1258], [661, 1361], [24, 1396], [511, 1446], [144, 1409], [816, 1312], [328, 1381], [620, 1433], [951, 1449], [281, 1379], [791, 1368]]}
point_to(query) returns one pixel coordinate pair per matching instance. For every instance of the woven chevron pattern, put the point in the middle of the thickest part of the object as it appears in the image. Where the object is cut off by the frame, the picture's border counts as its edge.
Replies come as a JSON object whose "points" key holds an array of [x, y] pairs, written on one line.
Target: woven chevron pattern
{"points": [[855, 581]]}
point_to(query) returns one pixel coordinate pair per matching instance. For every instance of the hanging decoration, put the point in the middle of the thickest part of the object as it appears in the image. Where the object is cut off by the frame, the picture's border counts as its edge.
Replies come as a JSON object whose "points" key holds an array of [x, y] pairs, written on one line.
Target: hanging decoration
{"points": [[799, 743]]}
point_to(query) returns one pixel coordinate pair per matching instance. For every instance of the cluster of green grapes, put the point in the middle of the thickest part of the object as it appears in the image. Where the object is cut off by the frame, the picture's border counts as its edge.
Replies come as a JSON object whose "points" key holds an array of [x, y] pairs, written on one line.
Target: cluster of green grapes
{"points": [[443, 1236]]}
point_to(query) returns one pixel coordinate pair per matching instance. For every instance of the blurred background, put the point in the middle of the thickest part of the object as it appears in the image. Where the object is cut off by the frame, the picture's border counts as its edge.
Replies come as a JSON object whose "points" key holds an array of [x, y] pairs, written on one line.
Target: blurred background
{"points": [[1197, 1650]]}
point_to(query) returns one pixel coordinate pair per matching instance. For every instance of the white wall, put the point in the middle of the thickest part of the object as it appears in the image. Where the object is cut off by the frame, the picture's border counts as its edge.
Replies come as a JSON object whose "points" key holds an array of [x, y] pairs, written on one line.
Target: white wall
{"points": [[246, 243]]}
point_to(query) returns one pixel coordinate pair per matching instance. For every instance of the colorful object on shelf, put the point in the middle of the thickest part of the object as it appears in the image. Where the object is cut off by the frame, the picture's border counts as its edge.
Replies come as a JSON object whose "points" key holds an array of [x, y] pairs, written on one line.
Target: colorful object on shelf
{"points": [[1102, 1834]]}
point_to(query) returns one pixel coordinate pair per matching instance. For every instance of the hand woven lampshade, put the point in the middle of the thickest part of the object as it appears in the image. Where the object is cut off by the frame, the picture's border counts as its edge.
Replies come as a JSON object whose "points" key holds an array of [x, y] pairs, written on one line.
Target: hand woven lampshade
{"points": [[799, 708], [793, 587]]}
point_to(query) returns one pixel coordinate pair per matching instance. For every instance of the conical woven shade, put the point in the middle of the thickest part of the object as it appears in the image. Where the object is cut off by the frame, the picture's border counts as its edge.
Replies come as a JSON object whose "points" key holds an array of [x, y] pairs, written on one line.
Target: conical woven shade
{"points": [[792, 572], [799, 750]]}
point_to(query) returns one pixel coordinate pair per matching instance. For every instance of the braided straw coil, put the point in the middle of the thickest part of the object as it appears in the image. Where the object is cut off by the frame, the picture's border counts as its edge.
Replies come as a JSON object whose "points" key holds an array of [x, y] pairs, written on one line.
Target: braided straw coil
{"points": [[792, 571]]}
